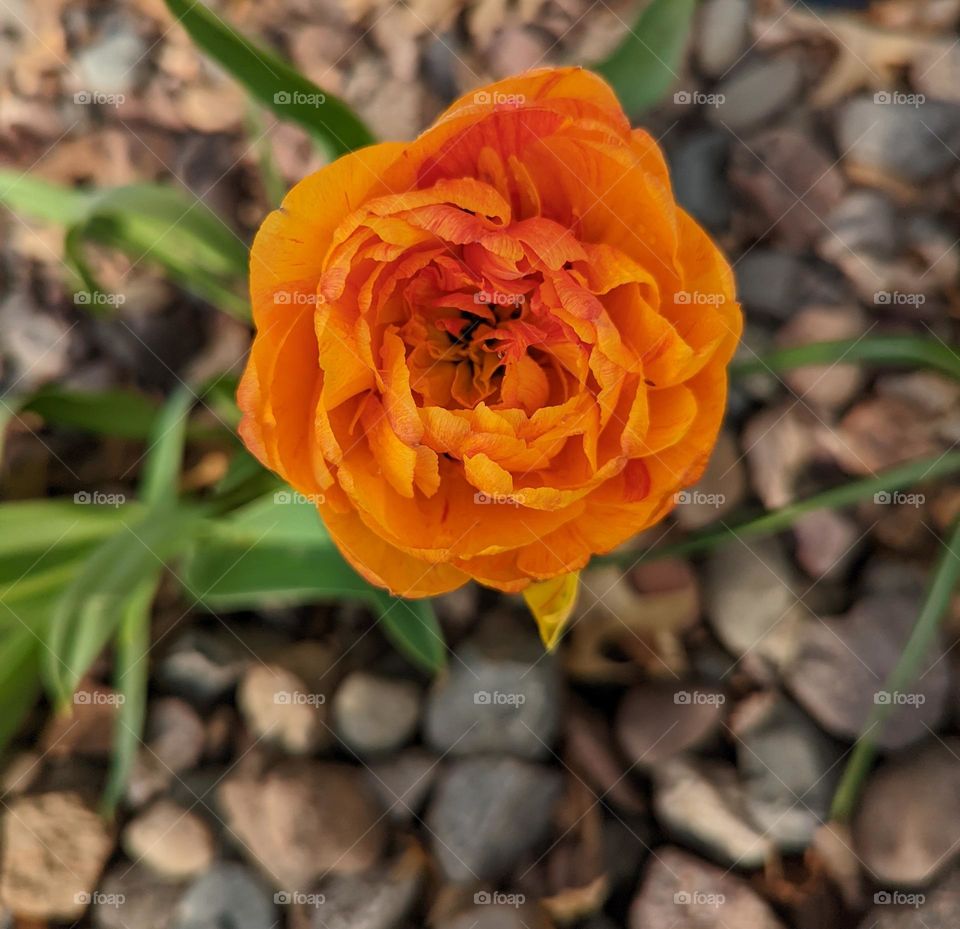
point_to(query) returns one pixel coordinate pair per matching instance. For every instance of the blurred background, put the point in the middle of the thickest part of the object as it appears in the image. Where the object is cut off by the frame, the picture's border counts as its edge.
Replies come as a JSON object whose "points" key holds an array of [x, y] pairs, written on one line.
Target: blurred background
{"points": [[676, 764]]}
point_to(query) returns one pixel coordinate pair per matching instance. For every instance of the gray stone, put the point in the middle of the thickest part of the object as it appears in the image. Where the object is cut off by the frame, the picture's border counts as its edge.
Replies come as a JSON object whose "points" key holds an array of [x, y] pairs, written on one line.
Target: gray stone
{"points": [[771, 281], [487, 812], [751, 600], [839, 671], [906, 826], [911, 143], [375, 715], [722, 34], [202, 666], [130, 895], [170, 840], [701, 804], [788, 769], [499, 696], [864, 220], [402, 782], [109, 65], [380, 899], [698, 166], [756, 92], [683, 892], [227, 895]]}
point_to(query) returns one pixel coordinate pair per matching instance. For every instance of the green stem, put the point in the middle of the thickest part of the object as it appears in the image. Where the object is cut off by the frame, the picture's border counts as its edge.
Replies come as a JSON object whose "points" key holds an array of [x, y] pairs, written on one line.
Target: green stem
{"points": [[918, 646], [769, 523], [890, 350]]}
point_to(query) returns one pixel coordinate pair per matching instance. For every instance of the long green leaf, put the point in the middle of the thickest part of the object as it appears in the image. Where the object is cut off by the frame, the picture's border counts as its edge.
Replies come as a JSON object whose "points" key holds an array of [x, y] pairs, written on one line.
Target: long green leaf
{"points": [[19, 677], [161, 473], [413, 628], [907, 350], [130, 676], [272, 82], [942, 585], [90, 609], [120, 413], [644, 66]]}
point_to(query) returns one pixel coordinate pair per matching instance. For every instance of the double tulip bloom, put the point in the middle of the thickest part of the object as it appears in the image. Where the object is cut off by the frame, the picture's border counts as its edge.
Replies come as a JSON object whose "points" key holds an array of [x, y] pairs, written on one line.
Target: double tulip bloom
{"points": [[494, 351]]}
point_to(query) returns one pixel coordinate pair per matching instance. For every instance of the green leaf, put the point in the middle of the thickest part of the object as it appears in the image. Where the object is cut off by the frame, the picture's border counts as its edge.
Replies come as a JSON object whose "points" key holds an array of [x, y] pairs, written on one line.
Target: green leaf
{"points": [[942, 585], [898, 351], [147, 222], [130, 676], [272, 82], [413, 628], [120, 413], [926, 469], [90, 609], [19, 675], [645, 65], [161, 473]]}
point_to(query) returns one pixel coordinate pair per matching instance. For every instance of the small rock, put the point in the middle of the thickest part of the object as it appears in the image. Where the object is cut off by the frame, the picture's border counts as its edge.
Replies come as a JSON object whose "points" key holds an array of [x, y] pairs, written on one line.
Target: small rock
{"points": [[826, 387], [827, 542], [750, 600], [301, 819], [381, 899], [896, 139], [171, 841], [174, 740], [87, 730], [719, 491], [864, 221], [202, 666], [227, 895], [839, 671], [403, 782], [109, 65], [780, 441], [701, 804], [130, 895], [35, 346], [517, 48], [375, 715], [484, 915], [500, 695], [656, 721], [788, 181], [906, 826], [787, 767], [683, 892], [698, 175], [487, 812], [722, 35], [279, 708], [939, 909], [772, 281], [756, 92], [54, 847]]}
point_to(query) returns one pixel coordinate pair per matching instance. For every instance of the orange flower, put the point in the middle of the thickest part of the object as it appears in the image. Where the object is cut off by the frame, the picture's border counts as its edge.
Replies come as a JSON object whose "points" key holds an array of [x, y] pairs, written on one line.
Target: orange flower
{"points": [[494, 351]]}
